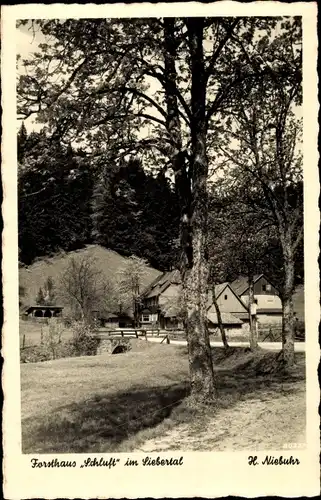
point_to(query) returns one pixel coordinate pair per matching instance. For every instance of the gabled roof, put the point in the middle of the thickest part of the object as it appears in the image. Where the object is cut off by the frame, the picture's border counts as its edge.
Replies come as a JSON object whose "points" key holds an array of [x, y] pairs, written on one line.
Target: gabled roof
{"points": [[219, 289], [154, 309], [107, 316], [243, 316], [161, 283], [227, 319], [157, 290], [241, 284]]}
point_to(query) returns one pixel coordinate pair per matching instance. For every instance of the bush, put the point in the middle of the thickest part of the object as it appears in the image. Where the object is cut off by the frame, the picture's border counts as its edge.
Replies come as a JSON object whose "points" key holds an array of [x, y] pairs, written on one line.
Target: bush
{"points": [[37, 353], [33, 354], [85, 340], [83, 343], [52, 338], [67, 321]]}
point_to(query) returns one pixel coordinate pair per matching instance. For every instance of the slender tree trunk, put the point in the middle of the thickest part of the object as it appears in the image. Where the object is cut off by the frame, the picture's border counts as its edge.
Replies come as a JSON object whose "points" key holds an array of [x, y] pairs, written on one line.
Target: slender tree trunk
{"points": [[219, 319], [136, 313], [253, 331], [82, 313], [287, 303]]}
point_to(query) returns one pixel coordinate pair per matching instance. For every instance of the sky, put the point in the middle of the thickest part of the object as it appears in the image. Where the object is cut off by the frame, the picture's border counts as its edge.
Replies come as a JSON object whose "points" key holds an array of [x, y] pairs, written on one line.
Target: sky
{"points": [[26, 42]]}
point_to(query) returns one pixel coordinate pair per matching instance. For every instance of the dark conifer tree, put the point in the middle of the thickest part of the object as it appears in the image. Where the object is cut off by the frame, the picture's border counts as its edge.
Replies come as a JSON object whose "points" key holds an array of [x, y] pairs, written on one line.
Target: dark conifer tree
{"points": [[55, 189], [21, 141], [134, 214]]}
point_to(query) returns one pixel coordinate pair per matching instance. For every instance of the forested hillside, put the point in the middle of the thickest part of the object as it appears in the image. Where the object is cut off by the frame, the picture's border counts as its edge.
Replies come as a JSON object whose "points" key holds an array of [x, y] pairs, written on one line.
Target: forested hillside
{"points": [[67, 200]]}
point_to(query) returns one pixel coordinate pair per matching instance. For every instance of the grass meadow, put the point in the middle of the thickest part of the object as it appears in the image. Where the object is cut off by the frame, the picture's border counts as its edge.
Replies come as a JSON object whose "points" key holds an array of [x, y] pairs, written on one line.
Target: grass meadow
{"points": [[139, 401], [30, 332]]}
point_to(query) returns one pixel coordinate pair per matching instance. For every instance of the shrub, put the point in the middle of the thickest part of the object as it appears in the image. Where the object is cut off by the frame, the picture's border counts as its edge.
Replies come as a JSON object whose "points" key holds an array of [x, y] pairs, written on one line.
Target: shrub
{"points": [[52, 337], [67, 321], [33, 354], [83, 343], [85, 340]]}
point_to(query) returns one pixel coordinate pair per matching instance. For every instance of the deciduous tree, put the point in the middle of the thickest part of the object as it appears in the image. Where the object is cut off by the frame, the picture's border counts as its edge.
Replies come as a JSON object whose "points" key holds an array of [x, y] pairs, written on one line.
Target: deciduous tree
{"points": [[85, 289], [266, 155], [130, 282]]}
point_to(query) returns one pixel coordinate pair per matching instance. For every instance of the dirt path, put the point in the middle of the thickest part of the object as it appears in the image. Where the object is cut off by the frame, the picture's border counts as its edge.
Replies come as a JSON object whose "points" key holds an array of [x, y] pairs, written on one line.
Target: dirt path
{"points": [[254, 424]]}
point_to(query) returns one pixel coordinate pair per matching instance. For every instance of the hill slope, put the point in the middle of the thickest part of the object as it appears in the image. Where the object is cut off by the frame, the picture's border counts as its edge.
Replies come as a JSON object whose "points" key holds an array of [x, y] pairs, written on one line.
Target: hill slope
{"points": [[107, 262]]}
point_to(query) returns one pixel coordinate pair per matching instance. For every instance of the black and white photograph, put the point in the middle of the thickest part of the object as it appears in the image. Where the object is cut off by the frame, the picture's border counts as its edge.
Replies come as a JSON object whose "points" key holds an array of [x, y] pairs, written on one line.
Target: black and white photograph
{"points": [[162, 238]]}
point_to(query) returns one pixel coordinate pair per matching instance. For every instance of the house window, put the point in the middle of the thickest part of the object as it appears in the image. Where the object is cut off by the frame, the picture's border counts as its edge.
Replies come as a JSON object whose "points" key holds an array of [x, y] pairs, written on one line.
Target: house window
{"points": [[145, 318], [264, 288], [268, 288], [225, 297]]}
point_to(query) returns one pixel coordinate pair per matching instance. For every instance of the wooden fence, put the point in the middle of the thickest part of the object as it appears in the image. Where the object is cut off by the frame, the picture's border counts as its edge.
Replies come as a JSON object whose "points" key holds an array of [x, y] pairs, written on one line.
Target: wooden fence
{"points": [[135, 332]]}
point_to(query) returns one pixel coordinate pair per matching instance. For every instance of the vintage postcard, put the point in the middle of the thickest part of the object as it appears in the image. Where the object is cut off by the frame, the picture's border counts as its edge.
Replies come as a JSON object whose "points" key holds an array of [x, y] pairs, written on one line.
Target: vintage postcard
{"points": [[160, 250]]}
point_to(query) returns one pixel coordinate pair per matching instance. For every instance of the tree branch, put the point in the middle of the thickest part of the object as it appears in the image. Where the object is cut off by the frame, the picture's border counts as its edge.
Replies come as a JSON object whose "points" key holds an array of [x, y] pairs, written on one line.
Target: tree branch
{"points": [[173, 88], [136, 92], [220, 47]]}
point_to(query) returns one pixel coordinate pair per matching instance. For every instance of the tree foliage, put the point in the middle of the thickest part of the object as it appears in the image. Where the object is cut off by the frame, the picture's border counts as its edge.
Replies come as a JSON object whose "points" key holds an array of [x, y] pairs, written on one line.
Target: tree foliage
{"points": [[40, 299], [262, 154], [55, 187], [85, 289], [130, 280], [135, 213]]}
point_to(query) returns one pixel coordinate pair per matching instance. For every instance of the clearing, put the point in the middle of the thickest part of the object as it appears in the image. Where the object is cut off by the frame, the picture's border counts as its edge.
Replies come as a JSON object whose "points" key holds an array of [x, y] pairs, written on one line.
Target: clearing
{"points": [[137, 401]]}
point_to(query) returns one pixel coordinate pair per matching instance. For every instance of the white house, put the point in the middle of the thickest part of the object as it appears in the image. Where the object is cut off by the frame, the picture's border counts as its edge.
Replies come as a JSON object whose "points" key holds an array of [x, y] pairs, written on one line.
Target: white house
{"points": [[268, 302]]}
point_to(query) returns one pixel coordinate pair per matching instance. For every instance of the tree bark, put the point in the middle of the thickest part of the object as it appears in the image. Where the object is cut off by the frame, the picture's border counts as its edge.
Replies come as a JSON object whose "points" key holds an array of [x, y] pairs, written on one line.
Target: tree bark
{"points": [[253, 331], [178, 157], [219, 319], [287, 303], [200, 356], [191, 188], [136, 312]]}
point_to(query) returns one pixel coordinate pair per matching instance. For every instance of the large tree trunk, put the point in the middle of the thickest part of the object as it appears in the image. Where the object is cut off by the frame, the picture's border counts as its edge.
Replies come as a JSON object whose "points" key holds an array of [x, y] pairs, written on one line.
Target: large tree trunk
{"points": [[178, 157], [287, 303], [199, 350], [219, 319], [200, 356], [191, 189]]}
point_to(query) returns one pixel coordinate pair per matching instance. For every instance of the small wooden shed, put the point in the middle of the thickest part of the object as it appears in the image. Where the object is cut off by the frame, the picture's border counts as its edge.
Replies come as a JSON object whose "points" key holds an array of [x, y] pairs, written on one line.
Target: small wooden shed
{"points": [[43, 311]]}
